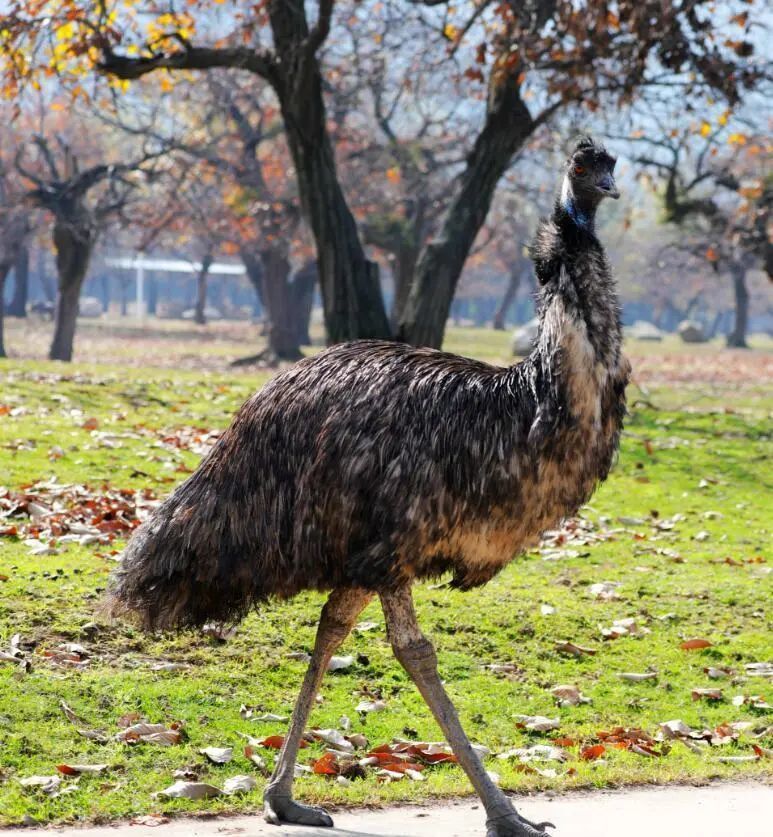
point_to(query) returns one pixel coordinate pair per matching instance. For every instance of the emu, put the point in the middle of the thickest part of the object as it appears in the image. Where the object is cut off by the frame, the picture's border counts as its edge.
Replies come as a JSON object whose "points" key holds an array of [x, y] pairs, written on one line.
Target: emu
{"points": [[373, 465]]}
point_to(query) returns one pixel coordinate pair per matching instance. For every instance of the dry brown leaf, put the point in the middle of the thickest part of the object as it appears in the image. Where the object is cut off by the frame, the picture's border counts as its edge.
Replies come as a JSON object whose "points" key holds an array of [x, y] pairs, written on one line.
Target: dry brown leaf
{"points": [[151, 733], [706, 694], [576, 650], [695, 644], [537, 723], [567, 695]]}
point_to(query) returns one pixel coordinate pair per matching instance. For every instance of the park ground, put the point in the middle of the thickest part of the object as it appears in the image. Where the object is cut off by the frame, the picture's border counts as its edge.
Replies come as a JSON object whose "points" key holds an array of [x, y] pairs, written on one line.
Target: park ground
{"points": [[677, 541]]}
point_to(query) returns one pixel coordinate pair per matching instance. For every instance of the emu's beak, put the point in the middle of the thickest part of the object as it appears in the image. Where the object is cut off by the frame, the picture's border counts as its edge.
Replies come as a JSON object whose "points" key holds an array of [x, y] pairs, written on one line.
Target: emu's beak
{"points": [[608, 187]]}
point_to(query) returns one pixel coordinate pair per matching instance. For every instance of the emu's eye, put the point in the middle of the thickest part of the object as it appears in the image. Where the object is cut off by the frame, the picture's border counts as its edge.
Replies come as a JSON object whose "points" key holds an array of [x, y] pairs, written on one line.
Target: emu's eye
{"points": [[578, 169]]}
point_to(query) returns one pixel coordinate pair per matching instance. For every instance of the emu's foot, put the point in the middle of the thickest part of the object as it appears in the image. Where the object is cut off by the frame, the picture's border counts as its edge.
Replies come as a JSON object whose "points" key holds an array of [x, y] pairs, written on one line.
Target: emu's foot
{"points": [[512, 824], [284, 809]]}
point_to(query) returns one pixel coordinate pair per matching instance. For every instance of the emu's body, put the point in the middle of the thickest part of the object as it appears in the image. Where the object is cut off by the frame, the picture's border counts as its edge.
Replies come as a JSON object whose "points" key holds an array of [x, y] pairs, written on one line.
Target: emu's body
{"points": [[374, 464]]}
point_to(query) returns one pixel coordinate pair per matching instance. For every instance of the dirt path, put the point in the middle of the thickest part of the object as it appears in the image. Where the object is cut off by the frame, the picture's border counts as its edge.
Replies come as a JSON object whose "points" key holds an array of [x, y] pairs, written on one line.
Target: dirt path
{"points": [[722, 810]]}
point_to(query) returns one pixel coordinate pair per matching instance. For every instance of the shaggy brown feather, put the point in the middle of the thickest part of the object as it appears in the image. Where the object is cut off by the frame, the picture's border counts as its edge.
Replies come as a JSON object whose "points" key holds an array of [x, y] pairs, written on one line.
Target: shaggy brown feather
{"points": [[373, 463]]}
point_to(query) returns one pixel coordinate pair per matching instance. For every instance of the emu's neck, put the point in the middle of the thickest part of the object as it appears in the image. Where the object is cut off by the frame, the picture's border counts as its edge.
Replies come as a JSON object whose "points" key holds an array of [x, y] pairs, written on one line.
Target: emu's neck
{"points": [[578, 294], [579, 209]]}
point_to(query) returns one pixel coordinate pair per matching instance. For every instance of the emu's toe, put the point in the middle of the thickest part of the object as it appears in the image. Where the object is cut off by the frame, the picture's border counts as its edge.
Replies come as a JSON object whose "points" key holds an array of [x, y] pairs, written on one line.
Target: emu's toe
{"points": [[284, 809], [513, 825]]}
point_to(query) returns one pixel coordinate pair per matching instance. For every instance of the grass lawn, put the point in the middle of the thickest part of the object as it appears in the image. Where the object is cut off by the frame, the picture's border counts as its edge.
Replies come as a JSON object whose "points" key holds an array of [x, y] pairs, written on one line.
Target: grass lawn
{"points": [[683, 526]]}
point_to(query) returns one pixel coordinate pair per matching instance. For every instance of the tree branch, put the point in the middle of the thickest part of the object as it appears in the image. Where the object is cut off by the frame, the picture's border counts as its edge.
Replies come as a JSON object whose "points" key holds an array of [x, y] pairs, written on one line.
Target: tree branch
{"points": [[260, 62]]}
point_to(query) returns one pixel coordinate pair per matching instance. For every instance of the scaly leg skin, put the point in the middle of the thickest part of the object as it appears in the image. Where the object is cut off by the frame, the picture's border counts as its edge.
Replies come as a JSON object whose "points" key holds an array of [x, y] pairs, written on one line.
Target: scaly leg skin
{"points": [[417, 656], [338, 617]]}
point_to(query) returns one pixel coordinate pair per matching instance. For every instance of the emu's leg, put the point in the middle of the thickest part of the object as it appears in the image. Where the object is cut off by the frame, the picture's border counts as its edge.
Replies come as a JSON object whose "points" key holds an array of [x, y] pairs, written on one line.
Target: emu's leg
{"points": [[338, 617], [416, 654]]}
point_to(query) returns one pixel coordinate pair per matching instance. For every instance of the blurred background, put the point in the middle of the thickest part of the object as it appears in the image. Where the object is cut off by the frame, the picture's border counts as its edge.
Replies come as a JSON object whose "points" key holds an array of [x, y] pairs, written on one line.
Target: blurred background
{"points": [[175, 172]]}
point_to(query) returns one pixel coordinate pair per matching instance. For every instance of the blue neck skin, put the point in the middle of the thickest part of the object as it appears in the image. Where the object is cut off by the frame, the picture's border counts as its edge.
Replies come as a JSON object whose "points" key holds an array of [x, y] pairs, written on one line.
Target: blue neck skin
{"points": [[582, 216]]}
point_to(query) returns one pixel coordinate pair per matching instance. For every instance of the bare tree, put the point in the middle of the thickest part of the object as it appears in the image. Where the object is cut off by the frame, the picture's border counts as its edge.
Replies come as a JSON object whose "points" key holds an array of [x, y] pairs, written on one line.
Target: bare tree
{"points": [[82, 201], [716, 192]]}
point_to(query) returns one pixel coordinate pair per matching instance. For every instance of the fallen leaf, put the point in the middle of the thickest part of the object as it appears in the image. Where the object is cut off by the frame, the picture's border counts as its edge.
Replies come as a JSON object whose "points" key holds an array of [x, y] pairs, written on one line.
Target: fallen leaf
{"points": [[340, 663], [636, 677], [537, 723], [694, 644], [275, 742], [151, 733], [706, 694], [239, 784], [255, 758], [190, 790], [149, 820], [755, 701], [218, 631], [568, 695], [218, 755], [623, 627], [334, 738], [46, 784], [327, 765], [367, 706], [718, 673], [593, 752], [759, 669], [605, 590], [575, 650], [537, 752], [77, 769]]}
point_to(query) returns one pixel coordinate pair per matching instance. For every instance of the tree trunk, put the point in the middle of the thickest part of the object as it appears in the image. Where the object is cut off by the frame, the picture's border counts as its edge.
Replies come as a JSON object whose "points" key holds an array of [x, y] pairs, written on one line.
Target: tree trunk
{"points": [[73, 245], [351, 293], [49, 288], [201, 290], [508, 124], [21, 281], [4, 268], [737, 337], [712, 331], [303, 285], [405, 265], [104, 285], [270, 276], [507, 300], [283, 343], [254, 270]]}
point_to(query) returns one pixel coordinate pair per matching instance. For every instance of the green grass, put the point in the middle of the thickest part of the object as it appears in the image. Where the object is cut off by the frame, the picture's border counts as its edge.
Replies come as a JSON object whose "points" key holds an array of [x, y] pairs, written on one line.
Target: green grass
{"points": [[665, 455]]}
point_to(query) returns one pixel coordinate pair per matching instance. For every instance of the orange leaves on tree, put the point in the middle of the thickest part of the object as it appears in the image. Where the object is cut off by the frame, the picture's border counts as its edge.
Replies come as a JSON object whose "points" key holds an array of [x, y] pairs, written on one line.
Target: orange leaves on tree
{"points": [[393, 174]]}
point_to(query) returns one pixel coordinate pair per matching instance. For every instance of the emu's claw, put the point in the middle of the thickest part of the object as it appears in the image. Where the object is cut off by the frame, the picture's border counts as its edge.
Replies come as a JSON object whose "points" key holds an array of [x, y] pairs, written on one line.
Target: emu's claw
{"points": [[514, 825], [284, 809]]}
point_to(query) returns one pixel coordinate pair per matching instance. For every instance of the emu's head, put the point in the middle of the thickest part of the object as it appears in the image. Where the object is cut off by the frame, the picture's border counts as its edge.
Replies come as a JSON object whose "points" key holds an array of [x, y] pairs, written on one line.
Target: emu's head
{"points": [[589, 174]]}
